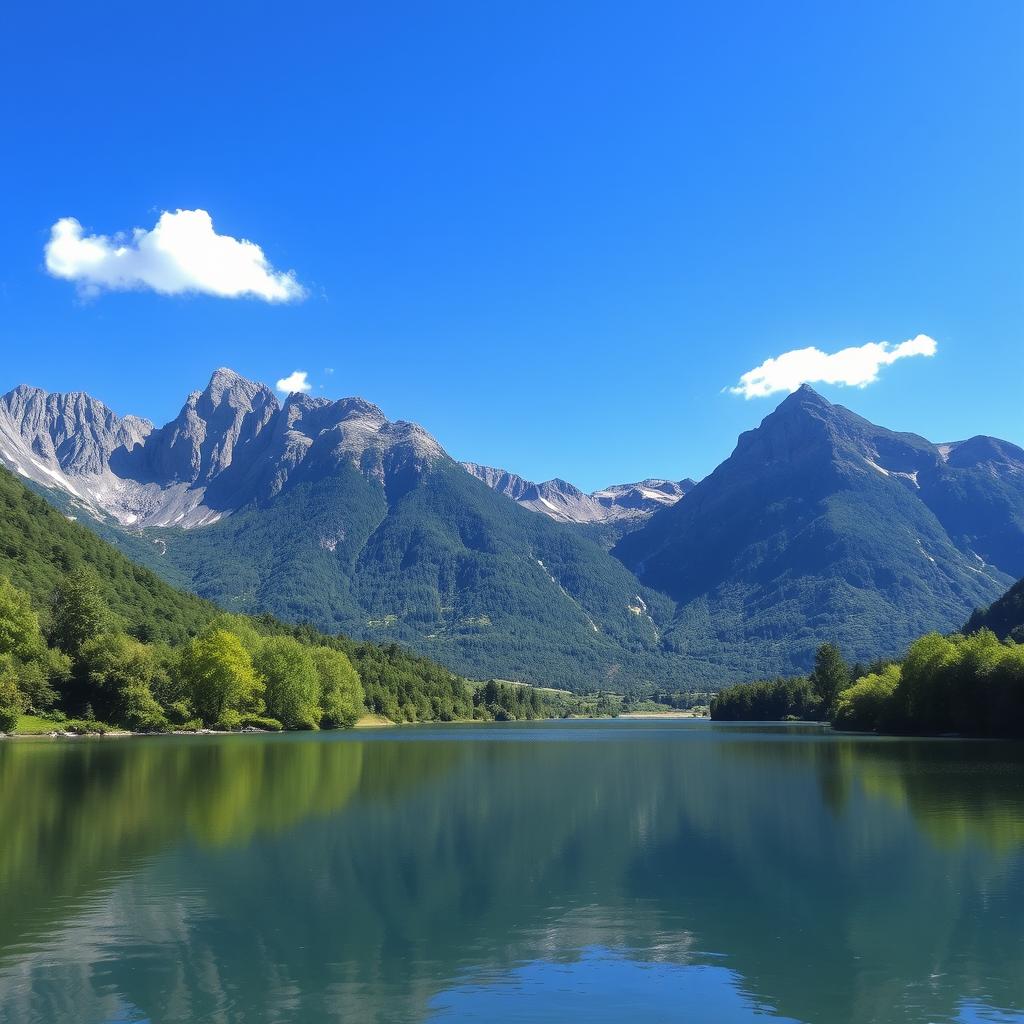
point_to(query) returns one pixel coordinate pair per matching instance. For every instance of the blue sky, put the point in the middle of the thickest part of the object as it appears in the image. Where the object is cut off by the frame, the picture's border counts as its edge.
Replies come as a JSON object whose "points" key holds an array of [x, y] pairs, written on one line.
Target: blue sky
{"points": [[551, 233]]}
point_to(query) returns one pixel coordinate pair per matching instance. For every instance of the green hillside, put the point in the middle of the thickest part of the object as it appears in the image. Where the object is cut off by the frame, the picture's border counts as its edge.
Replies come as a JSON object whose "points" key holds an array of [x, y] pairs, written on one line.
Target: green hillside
{"points": [[443, 565], [39, 545], [84, 630]]}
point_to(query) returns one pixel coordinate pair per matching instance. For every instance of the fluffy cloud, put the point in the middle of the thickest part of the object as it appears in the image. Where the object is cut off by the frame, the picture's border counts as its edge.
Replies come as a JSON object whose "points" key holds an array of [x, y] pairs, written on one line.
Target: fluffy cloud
{"points": [[295, 381], [182, 253], [854, 367]]}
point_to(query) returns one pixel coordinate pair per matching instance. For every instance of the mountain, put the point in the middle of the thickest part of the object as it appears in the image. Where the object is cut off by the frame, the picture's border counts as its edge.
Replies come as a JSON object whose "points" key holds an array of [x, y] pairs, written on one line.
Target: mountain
{"points": [[819, 526], [823, 525], [230, 445], [330, 513], [1005, 616], [565, 503]]}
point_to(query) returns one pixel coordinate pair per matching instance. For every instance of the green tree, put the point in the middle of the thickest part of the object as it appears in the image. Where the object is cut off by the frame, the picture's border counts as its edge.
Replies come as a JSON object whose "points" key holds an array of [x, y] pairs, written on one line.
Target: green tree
{"points": [[79, 612], [38, 680], [20, 634], [292, 682], [219, 678], [868, 704], [36, 667], [829, 678], [341, 691], [11, 701], [241, 626], [923, 696], [120, 670]]}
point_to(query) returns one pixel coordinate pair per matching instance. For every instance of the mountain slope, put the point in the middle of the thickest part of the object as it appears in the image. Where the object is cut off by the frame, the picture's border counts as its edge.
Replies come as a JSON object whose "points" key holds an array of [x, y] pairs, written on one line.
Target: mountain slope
{"points": [[38, 545], [821, 525], [1005, 616], [440, 563]]}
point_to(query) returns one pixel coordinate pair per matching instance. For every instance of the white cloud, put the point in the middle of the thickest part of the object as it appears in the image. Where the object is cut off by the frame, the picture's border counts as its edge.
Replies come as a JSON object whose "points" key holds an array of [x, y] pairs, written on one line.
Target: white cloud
{"points": [[295, 381], [854, 367], [182, 253]]}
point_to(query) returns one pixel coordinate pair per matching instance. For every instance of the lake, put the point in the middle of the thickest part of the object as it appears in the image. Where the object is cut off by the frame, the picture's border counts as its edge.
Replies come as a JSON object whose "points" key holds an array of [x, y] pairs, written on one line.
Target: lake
{"points": [[600, 871]]}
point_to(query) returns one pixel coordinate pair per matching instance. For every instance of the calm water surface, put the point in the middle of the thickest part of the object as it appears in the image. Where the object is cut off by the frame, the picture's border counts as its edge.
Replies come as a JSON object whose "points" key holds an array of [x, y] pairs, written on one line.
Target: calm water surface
{"points": [[613, 871]]}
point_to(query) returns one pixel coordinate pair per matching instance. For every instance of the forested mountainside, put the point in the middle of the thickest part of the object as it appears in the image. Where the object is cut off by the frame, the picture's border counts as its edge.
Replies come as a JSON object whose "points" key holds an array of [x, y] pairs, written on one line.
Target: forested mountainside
{"points": [[821, 525], [86, 633], [1005, 616]]}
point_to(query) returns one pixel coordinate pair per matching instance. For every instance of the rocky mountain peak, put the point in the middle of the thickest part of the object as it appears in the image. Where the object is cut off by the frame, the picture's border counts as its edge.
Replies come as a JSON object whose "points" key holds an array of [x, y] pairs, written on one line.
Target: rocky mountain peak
{"points": [[804, 402], [213, 427], [801, 424], [359, 408]]}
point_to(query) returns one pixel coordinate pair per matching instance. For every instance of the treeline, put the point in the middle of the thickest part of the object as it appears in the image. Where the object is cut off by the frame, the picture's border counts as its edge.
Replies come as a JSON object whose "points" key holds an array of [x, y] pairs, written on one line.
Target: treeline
{"points": [[678, 700], [767, 700], [796, 698], [79, 665], [972, 685], [85, 668]]}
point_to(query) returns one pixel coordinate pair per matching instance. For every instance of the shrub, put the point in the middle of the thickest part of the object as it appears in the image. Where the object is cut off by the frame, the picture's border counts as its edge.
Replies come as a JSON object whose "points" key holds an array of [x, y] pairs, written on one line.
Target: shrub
{"points": [[260, 722], [229, 719]]}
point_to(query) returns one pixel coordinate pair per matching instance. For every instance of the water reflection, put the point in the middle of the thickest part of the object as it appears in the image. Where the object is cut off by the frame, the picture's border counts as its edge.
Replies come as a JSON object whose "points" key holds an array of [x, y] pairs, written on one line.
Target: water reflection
{"points": [[401, 875]]}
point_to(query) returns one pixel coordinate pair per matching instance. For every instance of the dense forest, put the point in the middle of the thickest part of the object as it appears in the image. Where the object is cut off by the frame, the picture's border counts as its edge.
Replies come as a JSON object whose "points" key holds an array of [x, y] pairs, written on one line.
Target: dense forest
{"points": [[90, 641], [971, 684], [446, 567]]}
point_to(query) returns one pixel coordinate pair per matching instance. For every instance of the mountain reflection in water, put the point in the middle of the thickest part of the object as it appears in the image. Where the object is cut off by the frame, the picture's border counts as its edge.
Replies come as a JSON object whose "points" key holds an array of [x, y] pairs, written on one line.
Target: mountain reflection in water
{"points": [[679, 870]]}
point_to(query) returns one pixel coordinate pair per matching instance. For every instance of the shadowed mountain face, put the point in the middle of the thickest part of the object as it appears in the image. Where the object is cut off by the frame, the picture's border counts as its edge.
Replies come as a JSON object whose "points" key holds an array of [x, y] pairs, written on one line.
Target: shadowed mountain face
{"points": [[821, 523], [1005, 616]]}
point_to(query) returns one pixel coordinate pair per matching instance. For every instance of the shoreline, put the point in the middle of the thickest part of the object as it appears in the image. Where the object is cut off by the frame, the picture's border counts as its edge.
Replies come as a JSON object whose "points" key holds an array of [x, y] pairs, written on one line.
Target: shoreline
{"points": [[664, 714], [367, 721]]}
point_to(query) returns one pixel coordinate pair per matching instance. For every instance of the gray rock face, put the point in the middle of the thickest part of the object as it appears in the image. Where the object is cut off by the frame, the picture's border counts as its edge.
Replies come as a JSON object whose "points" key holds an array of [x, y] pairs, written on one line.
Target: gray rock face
{"points": [[232, 443], [71, 430], [566, 503], [214, 429]]}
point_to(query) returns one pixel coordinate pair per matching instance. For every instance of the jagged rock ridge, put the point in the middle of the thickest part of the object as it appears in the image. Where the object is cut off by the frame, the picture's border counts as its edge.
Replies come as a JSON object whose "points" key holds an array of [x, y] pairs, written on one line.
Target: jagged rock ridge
{"points": [[565, 503], [232, 443]]}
